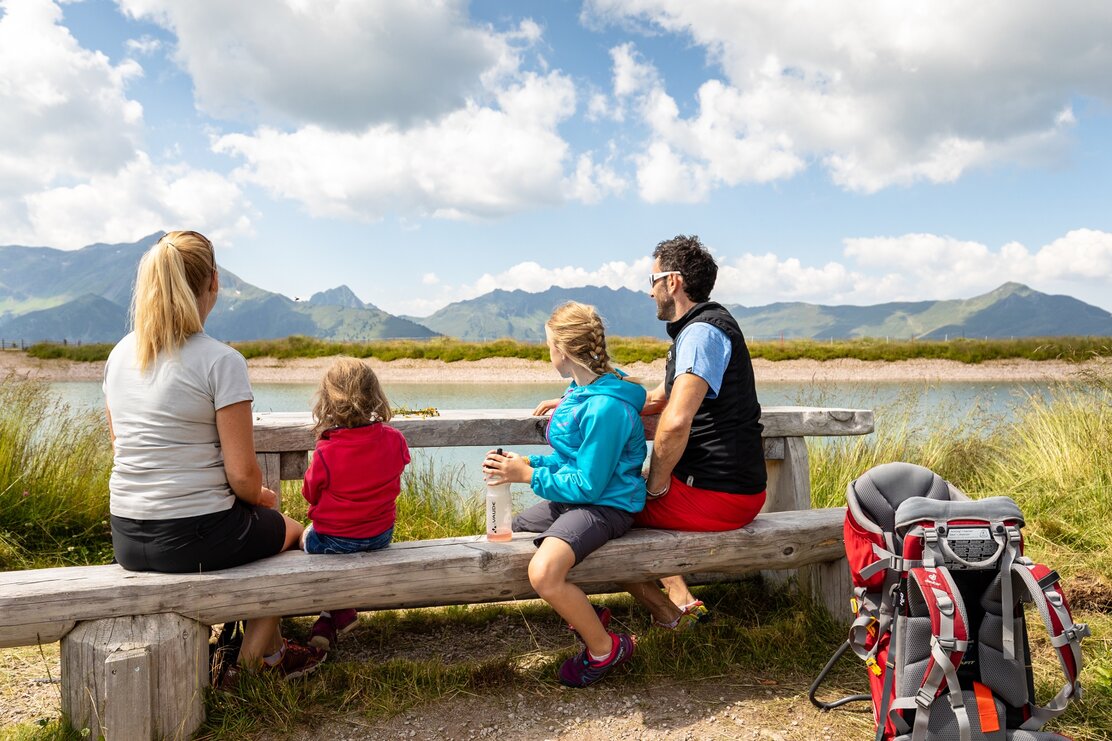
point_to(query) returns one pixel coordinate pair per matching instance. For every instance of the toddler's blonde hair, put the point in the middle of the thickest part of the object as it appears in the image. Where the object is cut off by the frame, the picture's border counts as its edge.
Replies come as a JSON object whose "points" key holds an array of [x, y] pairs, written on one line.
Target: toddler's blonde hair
{"points": [[349, 396]]}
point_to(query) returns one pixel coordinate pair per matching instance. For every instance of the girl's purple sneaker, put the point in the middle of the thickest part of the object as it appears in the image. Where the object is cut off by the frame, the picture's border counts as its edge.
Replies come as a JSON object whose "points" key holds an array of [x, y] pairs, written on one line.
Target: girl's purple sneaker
{"points": [[581, 670]]}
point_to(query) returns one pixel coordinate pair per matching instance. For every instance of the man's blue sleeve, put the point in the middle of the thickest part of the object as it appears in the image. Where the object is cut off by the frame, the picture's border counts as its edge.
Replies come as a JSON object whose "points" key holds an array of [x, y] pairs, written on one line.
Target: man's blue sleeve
{"points": [[703, 350]]}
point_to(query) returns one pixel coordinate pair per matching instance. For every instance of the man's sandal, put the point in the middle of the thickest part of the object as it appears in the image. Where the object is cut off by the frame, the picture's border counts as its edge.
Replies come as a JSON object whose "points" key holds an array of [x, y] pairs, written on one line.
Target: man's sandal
{"points": [[690, 615], [697, 609]]}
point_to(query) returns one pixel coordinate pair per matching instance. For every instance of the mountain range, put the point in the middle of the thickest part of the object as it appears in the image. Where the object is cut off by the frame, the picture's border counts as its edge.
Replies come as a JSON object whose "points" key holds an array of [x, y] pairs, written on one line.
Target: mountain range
{"points": [[84, 294]]}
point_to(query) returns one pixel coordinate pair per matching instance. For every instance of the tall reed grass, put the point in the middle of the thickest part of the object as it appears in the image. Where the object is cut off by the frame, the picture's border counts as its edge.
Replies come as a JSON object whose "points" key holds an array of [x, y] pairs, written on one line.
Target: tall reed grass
{"points": [[54, 466], [647, 349]]}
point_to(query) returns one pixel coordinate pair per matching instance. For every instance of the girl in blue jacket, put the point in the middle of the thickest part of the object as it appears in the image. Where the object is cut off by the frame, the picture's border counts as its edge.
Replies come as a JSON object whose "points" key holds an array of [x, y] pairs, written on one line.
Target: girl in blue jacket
{"points": [[591, 481]]}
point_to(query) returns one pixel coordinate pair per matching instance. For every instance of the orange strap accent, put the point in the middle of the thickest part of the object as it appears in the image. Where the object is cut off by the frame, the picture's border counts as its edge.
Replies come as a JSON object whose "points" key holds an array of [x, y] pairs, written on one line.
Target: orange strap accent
{"points": [[986, 708]]}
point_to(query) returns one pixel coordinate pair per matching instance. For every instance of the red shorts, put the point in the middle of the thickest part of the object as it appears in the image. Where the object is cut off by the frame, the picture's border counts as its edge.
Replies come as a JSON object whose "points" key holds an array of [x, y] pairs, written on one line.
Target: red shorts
{"points": [[699, 510]]}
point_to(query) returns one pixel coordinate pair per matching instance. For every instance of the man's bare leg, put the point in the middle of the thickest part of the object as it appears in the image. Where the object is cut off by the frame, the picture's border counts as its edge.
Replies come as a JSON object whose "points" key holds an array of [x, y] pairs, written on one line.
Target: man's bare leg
{"points": [[648, 594], [677, 591]]}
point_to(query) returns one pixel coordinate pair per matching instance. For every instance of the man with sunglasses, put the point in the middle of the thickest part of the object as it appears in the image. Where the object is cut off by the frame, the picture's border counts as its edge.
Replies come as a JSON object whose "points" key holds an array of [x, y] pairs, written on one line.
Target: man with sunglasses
{"points": [[707, 471]]}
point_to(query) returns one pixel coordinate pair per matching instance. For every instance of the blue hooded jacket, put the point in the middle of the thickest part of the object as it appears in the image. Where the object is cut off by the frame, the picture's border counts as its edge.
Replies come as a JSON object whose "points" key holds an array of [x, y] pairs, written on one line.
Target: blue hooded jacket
{"points": [[598, 445]]}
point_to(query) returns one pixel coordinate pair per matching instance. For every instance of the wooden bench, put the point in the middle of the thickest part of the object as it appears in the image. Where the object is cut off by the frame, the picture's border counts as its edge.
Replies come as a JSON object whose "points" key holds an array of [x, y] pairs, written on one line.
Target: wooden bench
{"points": [[134, 645]]}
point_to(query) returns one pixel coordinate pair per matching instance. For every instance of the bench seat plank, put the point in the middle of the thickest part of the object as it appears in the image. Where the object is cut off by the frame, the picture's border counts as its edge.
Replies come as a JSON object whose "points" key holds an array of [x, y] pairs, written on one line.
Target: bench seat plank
{"points": [[41, 604]]}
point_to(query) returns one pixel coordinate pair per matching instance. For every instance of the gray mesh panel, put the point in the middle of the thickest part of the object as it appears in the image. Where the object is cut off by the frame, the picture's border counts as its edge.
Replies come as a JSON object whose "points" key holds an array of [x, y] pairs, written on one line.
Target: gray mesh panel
{"points": [[915, 649], [1035, 736], [1005, 677]]}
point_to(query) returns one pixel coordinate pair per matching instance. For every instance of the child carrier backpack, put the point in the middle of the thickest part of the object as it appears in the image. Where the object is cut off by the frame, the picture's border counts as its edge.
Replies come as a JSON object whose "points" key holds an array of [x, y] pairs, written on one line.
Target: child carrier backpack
{"points": [[939, 587]]}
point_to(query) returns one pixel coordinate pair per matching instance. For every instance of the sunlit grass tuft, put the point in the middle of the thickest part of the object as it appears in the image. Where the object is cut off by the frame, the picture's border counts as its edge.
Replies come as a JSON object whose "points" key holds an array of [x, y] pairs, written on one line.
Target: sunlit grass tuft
{"points": [[54, 466]]}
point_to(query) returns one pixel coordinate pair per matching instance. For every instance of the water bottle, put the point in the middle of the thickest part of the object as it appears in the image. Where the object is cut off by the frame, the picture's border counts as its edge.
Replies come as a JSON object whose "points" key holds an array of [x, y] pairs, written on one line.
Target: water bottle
{"points": [[499, 508]]}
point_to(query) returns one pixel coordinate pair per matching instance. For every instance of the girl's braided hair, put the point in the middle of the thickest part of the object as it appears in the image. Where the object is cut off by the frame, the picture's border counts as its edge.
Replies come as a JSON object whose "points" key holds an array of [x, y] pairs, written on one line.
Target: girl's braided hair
{"points": [[576, 330]]}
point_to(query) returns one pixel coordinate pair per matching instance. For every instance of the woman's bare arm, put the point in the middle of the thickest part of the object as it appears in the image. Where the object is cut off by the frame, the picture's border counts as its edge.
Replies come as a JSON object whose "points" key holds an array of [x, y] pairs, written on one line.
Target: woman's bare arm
{"points": [[237, 442]]}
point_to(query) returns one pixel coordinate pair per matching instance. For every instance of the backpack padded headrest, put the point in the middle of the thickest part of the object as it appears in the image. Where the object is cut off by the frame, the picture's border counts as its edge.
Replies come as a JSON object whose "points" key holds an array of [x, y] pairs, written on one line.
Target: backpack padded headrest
{"points": [[992, 509], [875, 495]]}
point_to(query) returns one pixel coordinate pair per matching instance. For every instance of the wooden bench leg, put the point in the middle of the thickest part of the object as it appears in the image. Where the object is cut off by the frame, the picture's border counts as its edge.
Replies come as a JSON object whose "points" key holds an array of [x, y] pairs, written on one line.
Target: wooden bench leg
{"points": [[136, 677], [829, 585], [789, 489]]}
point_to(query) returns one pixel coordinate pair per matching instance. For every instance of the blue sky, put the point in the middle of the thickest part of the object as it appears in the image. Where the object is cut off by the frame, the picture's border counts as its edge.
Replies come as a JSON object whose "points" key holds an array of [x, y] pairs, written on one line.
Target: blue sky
{"points": [[424, 153]]}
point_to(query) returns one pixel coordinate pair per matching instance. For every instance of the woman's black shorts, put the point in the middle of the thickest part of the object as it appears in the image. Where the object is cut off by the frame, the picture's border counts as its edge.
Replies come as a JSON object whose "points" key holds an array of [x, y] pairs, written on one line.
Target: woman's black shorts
{"points": [[238, 535]]}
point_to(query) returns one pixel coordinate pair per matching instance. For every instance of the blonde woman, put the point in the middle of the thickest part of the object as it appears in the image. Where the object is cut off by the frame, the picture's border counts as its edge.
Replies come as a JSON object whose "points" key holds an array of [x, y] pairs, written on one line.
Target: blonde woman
{"points": [[186, 493], [592, 483], [354, 480]]}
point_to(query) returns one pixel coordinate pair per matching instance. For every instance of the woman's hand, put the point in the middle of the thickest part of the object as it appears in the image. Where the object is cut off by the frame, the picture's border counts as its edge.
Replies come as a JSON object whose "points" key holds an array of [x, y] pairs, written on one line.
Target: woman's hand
{"points": [[267, 498], [546, 406], [508, 468]]}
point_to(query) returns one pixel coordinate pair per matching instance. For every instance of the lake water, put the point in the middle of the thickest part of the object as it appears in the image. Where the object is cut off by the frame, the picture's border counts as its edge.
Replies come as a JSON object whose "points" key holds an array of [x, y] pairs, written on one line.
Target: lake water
{"points": [[994, 402]]}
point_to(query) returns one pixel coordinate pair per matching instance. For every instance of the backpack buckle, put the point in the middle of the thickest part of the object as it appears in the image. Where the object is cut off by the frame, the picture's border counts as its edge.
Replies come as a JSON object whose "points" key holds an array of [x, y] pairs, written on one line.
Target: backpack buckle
{"points": [[924, 698], [1076, 632], [946, 644]]}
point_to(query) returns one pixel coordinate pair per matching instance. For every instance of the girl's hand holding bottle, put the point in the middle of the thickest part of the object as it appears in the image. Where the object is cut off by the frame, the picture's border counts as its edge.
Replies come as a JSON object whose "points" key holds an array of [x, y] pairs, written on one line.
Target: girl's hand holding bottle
{"points": [[508, 467]]}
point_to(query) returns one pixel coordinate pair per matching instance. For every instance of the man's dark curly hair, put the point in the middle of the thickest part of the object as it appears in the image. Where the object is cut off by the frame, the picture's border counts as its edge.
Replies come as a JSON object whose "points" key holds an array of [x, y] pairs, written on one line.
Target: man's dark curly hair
{"points": [[695, 263]]}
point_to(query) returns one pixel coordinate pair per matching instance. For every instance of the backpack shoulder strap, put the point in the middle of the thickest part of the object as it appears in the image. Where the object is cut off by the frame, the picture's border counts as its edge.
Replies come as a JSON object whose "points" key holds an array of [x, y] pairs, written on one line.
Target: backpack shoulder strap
{"points": [[1041, 585], [949, 642]]}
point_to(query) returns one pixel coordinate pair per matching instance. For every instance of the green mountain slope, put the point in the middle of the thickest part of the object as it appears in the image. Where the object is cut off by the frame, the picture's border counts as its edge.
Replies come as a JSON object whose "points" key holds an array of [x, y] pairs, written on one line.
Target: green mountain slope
{"points": [[522, 315], [88, 318], [1012, 310], [48, 294]]}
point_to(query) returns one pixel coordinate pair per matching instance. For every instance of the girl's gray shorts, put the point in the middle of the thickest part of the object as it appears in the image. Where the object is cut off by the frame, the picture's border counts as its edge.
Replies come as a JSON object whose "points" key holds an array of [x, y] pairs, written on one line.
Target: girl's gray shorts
{"points": [[584, 527]]}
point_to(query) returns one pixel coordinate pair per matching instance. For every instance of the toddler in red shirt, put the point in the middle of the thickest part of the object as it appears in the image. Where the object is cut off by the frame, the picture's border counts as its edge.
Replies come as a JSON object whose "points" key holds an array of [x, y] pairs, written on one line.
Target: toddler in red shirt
{"points": [[354, 478]]}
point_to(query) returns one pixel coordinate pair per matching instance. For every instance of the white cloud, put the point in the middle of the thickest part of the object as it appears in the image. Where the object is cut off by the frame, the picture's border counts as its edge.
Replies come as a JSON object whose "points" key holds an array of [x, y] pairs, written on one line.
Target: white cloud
{"points": [[1084, 254], [430, 279], [71, 168], [139, 199], [64, 111], [475, 162], [754, 280], [386, 108], [341, 64], [881, 95], [928, 266], [144, 45]]}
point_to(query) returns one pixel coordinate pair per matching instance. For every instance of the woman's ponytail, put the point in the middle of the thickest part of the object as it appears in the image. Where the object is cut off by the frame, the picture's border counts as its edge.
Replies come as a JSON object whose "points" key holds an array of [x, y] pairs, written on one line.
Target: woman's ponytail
{"points": [[164, 308]]}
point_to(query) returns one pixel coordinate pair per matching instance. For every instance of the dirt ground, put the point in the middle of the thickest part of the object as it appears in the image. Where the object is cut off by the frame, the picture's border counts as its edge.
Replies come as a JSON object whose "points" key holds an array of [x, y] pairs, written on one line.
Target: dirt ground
{"points": [[515, 370], [726, 708], [732, 706]]}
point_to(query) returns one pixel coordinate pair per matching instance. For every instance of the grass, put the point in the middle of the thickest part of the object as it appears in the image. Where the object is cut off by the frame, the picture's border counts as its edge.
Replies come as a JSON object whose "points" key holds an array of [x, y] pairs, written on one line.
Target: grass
{"points": [[632, 349], [54, 466], [1053, 460]]}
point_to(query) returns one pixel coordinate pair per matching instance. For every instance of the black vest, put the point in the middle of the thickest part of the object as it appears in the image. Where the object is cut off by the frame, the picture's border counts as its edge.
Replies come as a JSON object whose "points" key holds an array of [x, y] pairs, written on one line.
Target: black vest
{"points": [[724, 450]]}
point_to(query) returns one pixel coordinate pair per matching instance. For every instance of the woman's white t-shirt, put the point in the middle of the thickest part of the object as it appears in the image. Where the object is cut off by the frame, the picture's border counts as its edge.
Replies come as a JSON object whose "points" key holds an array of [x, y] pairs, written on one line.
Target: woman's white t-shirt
{"points": [[168, 463]]}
